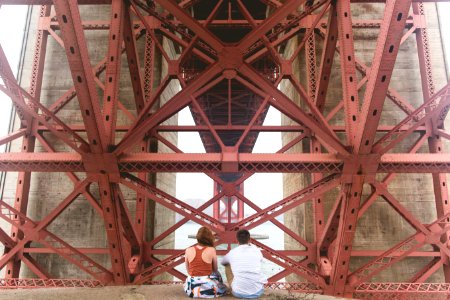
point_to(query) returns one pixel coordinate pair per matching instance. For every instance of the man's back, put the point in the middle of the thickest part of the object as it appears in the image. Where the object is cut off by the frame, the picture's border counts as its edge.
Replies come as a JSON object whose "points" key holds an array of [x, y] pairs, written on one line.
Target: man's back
{"points": [[245, 261]]}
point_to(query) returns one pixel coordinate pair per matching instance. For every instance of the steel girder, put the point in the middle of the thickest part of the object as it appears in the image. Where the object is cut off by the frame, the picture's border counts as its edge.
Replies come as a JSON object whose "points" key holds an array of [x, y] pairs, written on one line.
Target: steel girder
{"points": [[229, 86]]}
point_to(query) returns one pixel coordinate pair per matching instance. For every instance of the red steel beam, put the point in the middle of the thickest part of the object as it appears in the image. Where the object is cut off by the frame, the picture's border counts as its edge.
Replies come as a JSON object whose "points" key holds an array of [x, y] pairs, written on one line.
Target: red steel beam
{"points": [[123, 232], [287, 262], [330, 230], [142, 88], [277, 223], [76, 50], [259, 128], [327, 59], [129, 231], [340, 255], [428, 270], [393, 95], [412, 243], [72, 176], [113, 65], [402, 290], [28, 142], [12, 136], [133, 60], [294, 25], [348, 70], [174, 8], [71, 93], [400, 209], [212, 162], [37, 231], [170, 202], [388, 44], [290, 202], [355, 253], [144, 123], [435, 144], [26, 283], [382, 66], [164, 265], [282, 12], [286, 106], [183, 221], [31, 107], [33, 265], [322, 82], [420, 116], [113, 224], [6, 240], [94, 2]]}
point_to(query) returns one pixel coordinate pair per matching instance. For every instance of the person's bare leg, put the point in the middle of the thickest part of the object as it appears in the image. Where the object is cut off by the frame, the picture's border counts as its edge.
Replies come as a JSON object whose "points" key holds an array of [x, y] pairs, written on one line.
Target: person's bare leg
{"points": [[229, 274]]}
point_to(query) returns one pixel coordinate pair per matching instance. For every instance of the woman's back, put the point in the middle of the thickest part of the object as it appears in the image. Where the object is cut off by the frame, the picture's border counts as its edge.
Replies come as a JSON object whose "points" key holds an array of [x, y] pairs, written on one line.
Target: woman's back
{"points": [[200, 260], [203, 281]]}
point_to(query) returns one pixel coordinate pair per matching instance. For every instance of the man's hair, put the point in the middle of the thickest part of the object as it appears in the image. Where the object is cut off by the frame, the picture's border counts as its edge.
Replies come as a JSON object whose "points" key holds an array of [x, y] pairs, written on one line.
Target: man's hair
{"points": [[205, 237], [243, 236]]}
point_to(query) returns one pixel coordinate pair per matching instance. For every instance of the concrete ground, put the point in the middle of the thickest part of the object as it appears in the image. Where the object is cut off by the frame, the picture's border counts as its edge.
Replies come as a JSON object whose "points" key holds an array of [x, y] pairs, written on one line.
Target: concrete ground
{"points": [[133, 293]]}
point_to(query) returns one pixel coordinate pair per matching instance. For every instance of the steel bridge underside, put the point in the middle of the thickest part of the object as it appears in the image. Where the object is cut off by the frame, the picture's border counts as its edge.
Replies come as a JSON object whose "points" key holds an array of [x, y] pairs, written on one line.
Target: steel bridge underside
{"points": [[230, 60]]}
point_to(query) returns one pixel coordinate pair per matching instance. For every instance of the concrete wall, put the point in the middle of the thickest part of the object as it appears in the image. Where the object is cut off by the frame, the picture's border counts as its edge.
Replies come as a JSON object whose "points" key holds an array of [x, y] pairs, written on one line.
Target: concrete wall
{"points": [[380, 227], [80, 225]]}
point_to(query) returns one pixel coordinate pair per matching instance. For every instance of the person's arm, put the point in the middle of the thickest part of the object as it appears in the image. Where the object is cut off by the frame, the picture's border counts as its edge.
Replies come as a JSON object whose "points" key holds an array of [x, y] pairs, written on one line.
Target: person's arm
{"points": [[214, 260], [186, 261], [225, 260], [261, 256]]}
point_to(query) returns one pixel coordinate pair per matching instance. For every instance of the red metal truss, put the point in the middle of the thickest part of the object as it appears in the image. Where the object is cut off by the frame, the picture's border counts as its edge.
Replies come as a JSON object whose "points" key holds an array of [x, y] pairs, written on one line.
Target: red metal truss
{"points": [[229, 62]]}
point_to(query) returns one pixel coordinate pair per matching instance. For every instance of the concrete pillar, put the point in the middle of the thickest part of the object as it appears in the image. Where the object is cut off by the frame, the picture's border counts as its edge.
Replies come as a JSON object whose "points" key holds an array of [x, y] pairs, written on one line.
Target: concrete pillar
{"points": [[80, 225], [380, 227]]}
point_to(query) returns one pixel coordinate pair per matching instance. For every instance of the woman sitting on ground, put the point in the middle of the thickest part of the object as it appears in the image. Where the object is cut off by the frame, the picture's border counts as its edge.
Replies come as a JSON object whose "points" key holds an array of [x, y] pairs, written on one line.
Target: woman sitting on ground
{"points": [[203, 281]]}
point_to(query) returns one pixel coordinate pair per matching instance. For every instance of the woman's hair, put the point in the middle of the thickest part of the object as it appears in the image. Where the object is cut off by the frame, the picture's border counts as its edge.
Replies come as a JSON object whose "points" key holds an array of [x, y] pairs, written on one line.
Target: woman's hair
{"points": [[205, 237]]}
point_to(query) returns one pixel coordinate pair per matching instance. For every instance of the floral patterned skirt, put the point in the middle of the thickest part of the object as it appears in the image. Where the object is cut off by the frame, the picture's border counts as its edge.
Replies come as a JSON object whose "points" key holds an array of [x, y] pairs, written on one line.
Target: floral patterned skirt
{"points": [[210, 286]]}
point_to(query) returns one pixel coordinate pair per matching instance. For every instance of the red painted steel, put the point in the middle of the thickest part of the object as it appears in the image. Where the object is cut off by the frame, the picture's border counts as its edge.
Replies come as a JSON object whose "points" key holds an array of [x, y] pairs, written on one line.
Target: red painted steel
{"points": [[229, 209], [28, 141], [229, 58]]}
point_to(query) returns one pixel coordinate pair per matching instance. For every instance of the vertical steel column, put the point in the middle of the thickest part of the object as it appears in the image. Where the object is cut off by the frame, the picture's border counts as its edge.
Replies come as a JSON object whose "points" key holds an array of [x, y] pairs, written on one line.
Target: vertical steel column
{"points": [[141, 93], [75, 45], [113, 224], [223, 209], [348, 69], [113, 64], [145, 146], [434, 142], [310, 57], [341, 254], [315, 146], [217, 205], [28, 141], [323, 79], [388, 44], [149, 63]]}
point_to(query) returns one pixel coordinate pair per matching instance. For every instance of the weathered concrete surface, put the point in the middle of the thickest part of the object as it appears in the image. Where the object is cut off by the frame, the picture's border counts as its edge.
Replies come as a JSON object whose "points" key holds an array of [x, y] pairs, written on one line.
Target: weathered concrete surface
{"points": [[380, 227], [135, 293]]}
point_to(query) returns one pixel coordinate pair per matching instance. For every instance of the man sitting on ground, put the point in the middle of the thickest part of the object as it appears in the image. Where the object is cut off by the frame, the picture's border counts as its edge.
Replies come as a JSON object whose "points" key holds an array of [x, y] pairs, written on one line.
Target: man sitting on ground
{"points": [[243, 268]]}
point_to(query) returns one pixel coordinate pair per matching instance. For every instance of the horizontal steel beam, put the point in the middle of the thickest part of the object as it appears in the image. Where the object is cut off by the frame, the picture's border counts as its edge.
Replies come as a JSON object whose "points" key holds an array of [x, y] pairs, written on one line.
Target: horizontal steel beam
{"points": [[215, 162], [49, 2], [354, 253], [259, 128], [93, 2], [33, 283]]}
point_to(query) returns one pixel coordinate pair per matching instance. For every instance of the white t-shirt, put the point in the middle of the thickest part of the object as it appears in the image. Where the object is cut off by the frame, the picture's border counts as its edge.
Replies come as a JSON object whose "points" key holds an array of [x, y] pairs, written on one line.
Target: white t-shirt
{"points": [[245, 262]]}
